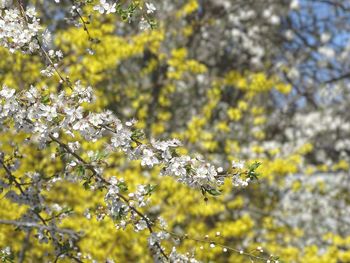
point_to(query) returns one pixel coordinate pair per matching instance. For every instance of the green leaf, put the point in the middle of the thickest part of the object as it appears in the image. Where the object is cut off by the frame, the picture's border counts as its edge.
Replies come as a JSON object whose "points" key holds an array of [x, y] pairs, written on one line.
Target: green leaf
{"points": [[254, 166], [252, 174], [137, 134], [45, 99], [122, 186], [101, 155], [150, 189], [80, 170], [214, 192]]}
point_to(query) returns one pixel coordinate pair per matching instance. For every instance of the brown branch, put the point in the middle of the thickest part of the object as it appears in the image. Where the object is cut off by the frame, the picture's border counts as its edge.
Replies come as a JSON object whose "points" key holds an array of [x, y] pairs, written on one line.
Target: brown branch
{"points": [[122, 197], [40, 227]]}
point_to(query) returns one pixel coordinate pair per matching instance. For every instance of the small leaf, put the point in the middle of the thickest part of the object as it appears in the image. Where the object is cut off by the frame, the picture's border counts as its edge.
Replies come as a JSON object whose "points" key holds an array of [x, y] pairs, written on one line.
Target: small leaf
{"points": [[122, 186], [252, 174], [150, 189], [214, 192], [45, 99], [80, 170]]}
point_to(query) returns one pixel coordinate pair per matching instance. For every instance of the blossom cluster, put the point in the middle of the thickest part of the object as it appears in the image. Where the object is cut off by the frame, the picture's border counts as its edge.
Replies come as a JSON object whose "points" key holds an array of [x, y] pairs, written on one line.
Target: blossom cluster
{"points": [[322, 203], [6, 255], [48, 117], [19, 31]]}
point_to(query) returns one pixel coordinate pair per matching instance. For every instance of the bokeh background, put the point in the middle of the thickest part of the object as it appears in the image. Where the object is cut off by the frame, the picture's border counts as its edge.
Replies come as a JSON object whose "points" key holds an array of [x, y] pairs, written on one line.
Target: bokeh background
{"points": [[234, 80]]}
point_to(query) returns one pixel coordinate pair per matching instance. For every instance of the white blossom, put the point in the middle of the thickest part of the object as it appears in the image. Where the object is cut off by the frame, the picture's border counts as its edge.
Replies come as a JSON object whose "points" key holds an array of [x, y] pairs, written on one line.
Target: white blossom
{"points": [[7, 92], [104, 6], [16, 33], [144, 25], [150, 8], [149, 158]]}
